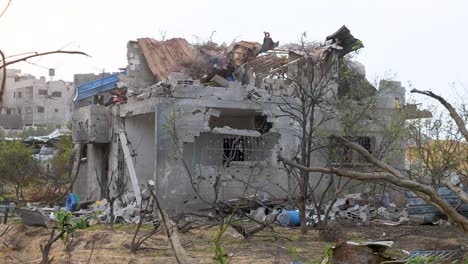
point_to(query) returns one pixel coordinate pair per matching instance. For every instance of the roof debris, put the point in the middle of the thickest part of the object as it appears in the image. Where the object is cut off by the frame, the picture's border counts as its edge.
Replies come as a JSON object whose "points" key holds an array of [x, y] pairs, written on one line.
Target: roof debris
{"points": [[164, 57]]}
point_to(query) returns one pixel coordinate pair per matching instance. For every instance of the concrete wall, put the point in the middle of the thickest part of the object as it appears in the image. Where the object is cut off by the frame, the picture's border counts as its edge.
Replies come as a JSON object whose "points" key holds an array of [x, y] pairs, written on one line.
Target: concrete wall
{"points": [[200, 149], [140, 135], [91, 124], [139, 74]]}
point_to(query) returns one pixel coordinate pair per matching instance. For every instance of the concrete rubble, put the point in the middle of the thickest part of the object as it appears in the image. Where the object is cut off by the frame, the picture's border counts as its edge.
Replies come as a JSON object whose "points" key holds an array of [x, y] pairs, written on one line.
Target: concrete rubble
{"points": [[356, 209]]}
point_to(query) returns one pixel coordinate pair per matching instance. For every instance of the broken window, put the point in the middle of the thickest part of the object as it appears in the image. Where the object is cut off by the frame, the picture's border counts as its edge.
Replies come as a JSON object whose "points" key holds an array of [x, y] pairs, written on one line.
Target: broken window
{"points": [[344, 155], [213, 149], [367, 143], [234, 149], [241, 119]]}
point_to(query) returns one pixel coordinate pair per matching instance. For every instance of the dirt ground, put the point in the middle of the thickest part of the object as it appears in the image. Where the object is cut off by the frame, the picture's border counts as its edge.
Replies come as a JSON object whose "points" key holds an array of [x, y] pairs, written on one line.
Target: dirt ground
{"points": [[99, 244]]}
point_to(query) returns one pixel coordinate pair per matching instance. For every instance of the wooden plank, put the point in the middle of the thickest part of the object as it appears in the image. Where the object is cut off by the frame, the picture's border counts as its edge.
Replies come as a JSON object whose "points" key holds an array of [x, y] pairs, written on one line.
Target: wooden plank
{"points": [[130, 166]]}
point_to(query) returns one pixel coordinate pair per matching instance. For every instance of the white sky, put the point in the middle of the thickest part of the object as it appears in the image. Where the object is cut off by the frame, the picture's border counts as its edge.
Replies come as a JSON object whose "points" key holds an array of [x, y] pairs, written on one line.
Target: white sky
{"points": [[421, 41]]}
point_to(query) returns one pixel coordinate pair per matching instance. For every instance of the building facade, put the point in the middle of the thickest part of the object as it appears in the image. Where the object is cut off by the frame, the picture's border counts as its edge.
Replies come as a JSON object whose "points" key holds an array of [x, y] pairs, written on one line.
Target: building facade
{"points": [[36, 101], [206, 139]]}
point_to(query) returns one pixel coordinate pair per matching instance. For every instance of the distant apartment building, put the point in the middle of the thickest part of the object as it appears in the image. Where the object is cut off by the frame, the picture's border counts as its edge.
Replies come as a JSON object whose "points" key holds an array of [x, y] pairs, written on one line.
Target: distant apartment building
{"points": [[35, 102]]}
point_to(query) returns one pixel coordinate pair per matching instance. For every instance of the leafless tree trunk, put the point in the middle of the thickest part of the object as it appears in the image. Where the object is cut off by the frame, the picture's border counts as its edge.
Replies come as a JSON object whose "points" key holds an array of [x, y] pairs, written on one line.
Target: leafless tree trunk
{"points": [[45, 249]]}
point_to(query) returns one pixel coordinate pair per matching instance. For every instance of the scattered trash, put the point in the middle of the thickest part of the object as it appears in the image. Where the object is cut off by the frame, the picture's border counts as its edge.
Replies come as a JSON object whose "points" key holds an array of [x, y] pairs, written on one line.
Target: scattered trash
{"points": [[72, 201], [289, 218]]}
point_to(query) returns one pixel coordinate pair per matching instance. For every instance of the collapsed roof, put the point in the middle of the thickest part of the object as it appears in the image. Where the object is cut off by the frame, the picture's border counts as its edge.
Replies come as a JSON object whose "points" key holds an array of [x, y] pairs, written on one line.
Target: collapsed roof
{"points": [[177, 55]]}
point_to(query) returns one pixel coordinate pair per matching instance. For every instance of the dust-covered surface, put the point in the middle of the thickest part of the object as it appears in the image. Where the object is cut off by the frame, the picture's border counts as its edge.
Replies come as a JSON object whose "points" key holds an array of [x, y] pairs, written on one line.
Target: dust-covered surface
{"points": [[99, 244]]}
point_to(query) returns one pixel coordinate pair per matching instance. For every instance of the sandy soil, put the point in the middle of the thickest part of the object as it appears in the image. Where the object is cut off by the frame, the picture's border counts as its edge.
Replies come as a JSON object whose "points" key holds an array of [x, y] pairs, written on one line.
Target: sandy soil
{"points": [[99, 244]]}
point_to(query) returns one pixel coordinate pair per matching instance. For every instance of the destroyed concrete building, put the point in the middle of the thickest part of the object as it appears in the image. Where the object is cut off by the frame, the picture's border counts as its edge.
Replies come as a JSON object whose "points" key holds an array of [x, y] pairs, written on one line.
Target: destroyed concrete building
{"points": [[199, 118]]}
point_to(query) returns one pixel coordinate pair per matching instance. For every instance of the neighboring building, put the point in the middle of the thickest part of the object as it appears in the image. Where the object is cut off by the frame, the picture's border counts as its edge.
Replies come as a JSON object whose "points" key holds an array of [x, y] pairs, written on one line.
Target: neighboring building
{"points": [[188, 137], [36, 102]]}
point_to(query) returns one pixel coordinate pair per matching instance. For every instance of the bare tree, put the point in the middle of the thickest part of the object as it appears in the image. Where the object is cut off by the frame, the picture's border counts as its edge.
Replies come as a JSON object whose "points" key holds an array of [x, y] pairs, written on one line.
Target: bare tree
{"points": [[137, 242], [313, 75], [112, 190]]}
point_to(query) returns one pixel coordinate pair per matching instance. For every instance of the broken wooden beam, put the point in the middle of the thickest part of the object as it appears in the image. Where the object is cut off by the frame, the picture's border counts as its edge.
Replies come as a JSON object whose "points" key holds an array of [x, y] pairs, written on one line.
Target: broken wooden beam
{"points": [[130, 166]]}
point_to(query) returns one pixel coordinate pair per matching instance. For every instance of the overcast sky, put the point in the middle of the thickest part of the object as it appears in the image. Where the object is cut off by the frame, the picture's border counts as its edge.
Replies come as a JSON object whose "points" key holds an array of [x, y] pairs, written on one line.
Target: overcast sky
{"points": [[422, 42]]}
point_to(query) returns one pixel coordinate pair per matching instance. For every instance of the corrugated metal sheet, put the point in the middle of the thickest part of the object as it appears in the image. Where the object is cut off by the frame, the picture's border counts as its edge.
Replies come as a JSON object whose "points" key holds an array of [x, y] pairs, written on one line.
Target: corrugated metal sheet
{"points": [[417, 206], [97, 86], [439, 256], [164, 57]]}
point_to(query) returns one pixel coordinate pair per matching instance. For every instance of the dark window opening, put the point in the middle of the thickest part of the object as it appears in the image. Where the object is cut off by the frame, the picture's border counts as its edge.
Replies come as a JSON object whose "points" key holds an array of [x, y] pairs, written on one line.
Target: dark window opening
{"points": [[20, 94], [56, 94], [234, 149], [42, 92], [225, 149], [262, 125], [40, 109], [8, 111], [84, 152], [342, 154], [19, 111], [56, 110], [366, 142]]}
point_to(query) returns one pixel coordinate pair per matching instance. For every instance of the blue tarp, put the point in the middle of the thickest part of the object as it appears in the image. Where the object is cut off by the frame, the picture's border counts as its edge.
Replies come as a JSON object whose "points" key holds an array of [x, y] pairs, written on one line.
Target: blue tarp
{"points": [[97, 86]]}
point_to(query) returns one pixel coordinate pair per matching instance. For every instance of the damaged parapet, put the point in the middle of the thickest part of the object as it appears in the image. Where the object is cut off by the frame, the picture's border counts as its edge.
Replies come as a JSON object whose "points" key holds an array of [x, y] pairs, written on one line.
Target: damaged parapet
{"points": [[91, 125]]}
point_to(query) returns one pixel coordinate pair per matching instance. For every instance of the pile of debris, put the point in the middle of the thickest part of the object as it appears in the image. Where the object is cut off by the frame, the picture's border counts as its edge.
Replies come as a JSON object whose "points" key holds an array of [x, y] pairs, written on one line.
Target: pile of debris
{"points": [[176, 62], [123, 210], [356, 209], [362, 208]]}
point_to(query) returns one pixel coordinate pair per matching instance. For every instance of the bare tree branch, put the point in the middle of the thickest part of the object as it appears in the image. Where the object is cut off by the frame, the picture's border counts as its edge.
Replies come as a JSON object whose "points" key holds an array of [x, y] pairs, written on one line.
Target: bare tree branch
{"points": [[38, 54], [457, 190], [453, 113], [6, 8], [2, 87]]}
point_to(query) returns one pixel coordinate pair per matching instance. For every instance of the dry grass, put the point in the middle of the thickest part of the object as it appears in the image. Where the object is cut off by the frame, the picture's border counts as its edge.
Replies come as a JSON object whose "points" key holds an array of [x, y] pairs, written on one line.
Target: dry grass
{"points": [[21, 244]]}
